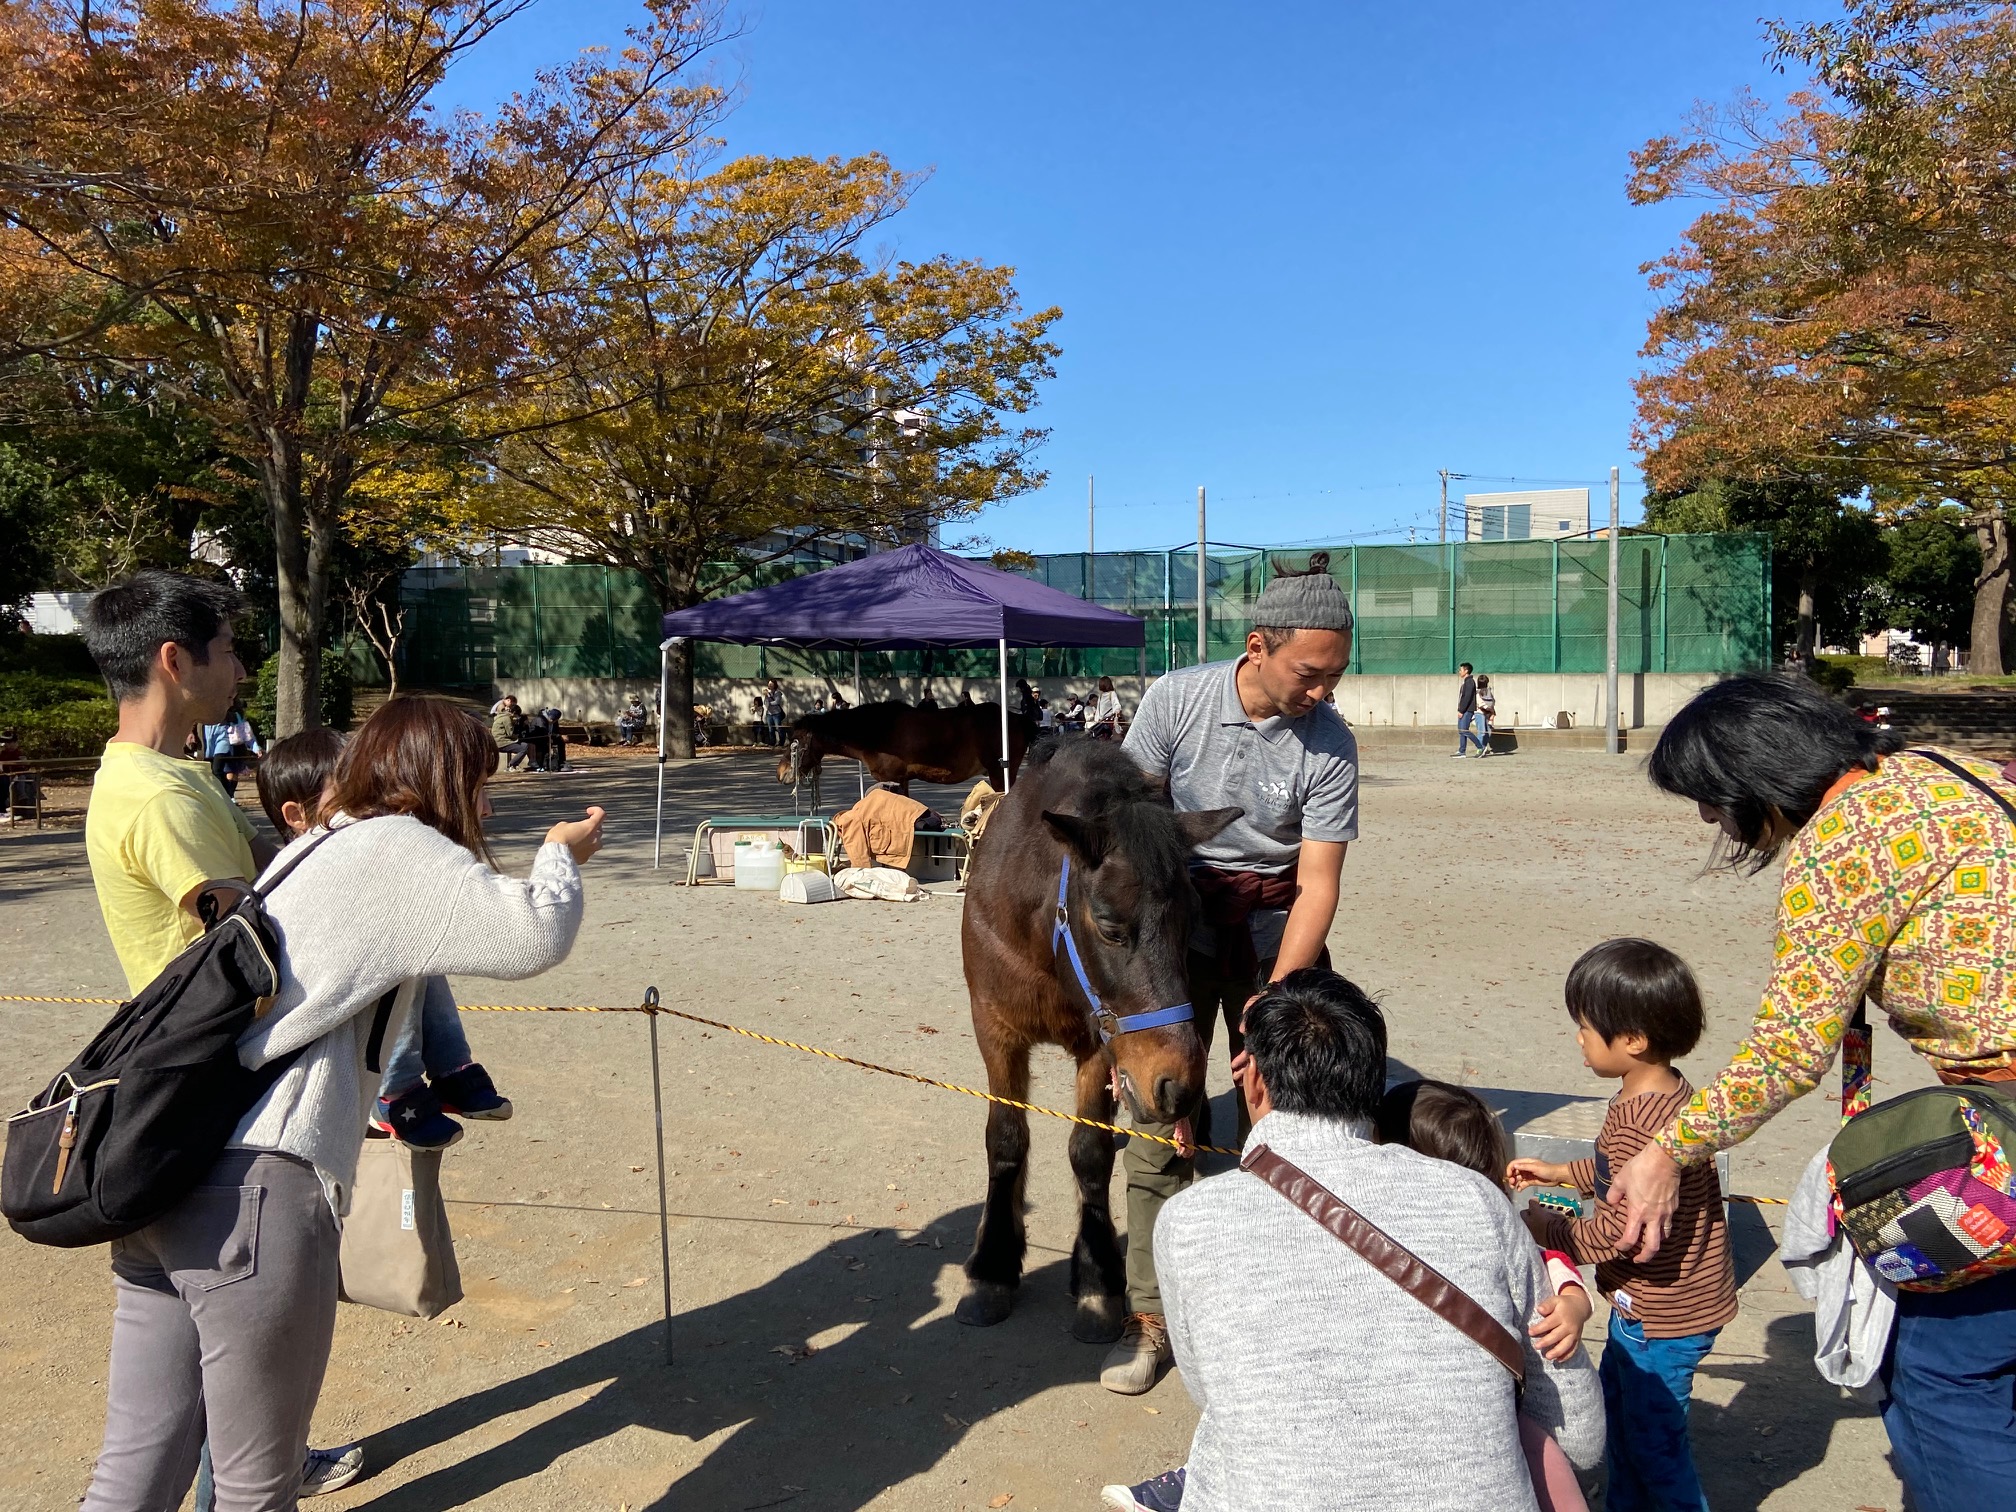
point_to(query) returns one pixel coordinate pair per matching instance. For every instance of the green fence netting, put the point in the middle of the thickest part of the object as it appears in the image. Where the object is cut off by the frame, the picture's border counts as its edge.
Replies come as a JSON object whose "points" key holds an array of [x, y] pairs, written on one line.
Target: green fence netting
{"points": [[1689, 603]]}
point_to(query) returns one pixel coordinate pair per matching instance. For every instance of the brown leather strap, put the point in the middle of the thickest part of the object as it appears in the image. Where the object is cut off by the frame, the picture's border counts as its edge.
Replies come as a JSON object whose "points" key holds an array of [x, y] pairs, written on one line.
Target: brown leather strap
{"points": [[1389, 1257]]}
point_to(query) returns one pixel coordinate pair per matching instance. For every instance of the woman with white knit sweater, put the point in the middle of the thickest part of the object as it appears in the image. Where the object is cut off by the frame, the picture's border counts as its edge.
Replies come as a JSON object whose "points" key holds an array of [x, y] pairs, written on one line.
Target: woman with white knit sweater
{"points": [[227, 1304]]}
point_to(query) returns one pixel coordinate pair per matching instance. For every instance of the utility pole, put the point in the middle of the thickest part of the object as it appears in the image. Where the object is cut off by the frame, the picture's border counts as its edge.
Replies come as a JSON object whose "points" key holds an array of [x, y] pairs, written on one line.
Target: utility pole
{"points": [[1444, 475], [1200, 575], [1091, 549], [1612, 734]]}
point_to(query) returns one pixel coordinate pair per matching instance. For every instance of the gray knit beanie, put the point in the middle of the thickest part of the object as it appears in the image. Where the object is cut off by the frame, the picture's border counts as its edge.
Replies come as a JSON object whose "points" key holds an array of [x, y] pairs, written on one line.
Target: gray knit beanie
{"points": [[1309, 600]]}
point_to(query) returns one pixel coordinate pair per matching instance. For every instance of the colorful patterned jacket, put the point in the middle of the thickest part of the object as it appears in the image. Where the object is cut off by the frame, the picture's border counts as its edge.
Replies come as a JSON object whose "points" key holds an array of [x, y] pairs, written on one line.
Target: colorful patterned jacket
{"points": [[1901, 888]]}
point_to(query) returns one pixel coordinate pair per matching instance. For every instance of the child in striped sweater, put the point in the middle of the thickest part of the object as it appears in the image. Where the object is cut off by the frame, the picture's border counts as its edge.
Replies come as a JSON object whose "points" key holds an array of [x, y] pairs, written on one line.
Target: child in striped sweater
{"points": [[1637, 1009]]}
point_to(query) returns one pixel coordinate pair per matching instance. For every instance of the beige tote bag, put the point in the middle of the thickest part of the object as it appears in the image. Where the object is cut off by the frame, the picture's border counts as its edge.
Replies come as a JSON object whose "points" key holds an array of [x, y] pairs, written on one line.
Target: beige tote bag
{"points": [[397, 1254]]}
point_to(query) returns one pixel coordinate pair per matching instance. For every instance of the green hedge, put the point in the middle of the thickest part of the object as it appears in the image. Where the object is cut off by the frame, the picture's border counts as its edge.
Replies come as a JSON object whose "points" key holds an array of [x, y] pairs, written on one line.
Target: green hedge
{"points": [[337, 693], [56, 716], [51, 655]]}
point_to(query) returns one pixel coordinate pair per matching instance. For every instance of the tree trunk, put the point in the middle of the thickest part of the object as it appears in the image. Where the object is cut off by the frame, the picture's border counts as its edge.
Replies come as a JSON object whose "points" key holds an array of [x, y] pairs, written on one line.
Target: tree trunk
{"points": [[297, 702], [1809, 588], [1991, 596], [678, 711]]}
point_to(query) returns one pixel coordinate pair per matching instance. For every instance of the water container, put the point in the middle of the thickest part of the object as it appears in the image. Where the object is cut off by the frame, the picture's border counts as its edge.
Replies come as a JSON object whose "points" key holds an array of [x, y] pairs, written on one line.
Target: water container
{"points": [[759, 865]]}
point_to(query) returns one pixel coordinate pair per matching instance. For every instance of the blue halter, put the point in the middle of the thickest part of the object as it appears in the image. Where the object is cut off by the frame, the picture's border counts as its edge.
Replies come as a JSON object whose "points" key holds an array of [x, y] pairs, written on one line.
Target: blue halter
{"points": [[1127, 1023]]}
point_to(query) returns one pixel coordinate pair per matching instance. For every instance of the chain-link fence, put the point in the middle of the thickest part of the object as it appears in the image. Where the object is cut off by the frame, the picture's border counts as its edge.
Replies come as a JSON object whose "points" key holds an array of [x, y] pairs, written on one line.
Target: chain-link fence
{"points": [[1689, 603]]}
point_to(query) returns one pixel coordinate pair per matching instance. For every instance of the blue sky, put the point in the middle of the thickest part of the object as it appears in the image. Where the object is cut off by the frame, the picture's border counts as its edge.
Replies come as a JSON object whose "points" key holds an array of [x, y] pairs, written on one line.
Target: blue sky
{"points": [[1307, 253]]}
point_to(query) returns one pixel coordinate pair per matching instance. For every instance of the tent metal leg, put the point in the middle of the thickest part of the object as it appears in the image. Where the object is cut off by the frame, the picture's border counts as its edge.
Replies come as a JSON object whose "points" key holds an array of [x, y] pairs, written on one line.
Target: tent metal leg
{"points": [[1004, 714], [658, 824]]}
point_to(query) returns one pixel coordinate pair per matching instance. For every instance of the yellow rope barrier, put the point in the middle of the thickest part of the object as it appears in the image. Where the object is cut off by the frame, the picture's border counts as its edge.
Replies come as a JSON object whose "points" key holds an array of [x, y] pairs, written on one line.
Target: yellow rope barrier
{"points": [[832, 1055]]}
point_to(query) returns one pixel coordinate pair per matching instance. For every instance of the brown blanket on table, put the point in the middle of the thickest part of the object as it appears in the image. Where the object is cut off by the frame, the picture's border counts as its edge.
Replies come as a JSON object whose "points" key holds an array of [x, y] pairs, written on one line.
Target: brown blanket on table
{"points": [[880, 829]]}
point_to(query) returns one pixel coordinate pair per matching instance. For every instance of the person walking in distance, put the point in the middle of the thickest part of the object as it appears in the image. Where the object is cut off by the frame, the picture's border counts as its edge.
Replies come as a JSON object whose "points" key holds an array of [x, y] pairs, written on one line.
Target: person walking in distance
{"points": [[158, 833], [1254, 734], [1466, 711], [1486, 716], [773, 712]]}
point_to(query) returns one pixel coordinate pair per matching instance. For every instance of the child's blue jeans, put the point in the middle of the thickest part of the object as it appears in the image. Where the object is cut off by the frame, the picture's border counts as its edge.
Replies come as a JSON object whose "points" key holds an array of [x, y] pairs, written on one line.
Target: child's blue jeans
{"points": [[1648, 1385], [431, 1043]]}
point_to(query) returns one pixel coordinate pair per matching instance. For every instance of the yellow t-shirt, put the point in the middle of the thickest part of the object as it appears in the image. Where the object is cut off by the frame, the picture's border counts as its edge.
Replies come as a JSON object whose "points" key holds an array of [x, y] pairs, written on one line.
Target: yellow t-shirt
{"points": [[157, 827]]}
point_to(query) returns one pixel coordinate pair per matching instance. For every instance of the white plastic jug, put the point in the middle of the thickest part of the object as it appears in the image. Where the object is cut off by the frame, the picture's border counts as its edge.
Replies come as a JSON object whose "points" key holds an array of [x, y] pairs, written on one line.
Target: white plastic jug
{"points": [[759, 865]]}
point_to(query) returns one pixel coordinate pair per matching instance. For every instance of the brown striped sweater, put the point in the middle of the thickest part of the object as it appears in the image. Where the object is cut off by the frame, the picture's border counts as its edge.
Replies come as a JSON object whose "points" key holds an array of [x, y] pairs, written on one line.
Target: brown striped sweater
{"points": [[1689, 1287]]}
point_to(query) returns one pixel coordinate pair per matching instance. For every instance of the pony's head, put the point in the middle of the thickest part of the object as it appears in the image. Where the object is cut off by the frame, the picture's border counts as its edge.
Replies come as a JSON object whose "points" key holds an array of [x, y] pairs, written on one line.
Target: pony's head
{"points": [[1122, 930], [798, 760]]}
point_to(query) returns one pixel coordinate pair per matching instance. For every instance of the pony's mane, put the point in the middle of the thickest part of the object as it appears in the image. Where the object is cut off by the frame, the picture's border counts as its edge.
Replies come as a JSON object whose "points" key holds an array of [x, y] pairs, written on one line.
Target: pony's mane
{"points": [[1107, 787]]}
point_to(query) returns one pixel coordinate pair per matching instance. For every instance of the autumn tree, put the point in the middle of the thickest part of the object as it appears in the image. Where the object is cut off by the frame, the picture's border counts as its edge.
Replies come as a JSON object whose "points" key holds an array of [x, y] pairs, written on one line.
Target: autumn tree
{"points": [[747, 373], [262, 196], [1845, 312]]}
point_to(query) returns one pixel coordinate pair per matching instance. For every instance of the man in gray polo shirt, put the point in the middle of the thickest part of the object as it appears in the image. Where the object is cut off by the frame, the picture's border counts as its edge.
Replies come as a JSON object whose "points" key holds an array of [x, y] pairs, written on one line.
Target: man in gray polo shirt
{"points": [[1254, 734]]}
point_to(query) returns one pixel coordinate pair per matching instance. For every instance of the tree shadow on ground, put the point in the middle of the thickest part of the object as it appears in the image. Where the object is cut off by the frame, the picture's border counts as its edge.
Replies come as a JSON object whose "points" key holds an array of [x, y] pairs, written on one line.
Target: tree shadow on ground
{"points": [[831, 1429], [1778, 1425]]}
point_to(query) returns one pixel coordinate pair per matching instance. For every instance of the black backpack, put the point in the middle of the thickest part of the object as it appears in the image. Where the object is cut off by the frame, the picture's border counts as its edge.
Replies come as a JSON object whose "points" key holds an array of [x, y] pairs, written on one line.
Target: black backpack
{"points": [[129, 1127]]}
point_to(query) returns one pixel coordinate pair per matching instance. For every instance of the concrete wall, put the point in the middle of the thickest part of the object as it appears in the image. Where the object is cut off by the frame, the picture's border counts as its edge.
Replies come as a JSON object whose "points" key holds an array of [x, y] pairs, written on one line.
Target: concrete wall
{"points": [[1524, 698]]}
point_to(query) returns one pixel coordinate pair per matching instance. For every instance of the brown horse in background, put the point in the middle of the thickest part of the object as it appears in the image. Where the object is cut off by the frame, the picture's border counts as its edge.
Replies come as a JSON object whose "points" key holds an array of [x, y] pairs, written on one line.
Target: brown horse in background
{"points": [[902, 744], [1076, 933]]}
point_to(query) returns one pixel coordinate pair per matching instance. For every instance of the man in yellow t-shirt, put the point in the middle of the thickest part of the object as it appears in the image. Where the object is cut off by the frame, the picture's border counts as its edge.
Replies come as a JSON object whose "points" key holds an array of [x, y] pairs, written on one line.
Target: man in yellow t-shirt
{"points": [[160, 830]]}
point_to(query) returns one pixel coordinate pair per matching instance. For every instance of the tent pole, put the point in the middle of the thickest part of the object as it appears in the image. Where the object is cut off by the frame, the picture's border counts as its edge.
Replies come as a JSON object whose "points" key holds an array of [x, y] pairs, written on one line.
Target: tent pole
{"points": [[658, 824], [1004, 713], [860, 768]]}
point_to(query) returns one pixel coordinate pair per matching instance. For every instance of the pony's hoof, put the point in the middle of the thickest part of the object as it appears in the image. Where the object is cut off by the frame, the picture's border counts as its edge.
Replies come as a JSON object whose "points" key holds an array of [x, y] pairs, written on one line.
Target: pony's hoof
{"points": [[1099, 1319], [985, 1304]]}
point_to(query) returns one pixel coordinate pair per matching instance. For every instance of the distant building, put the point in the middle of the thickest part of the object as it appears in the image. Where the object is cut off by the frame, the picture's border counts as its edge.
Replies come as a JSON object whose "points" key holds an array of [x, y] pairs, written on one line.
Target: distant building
{"points": [[1538, 514]]}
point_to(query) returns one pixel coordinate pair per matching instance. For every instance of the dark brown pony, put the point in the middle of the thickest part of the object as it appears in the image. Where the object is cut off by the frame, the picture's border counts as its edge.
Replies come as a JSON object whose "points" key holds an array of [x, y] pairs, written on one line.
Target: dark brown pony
{"points": [[1091, 974], [901, 744]]}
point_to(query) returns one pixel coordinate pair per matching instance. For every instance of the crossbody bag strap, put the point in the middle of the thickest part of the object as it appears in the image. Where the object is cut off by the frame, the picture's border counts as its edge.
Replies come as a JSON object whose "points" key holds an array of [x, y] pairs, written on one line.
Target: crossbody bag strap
{"points": [[1389, 1257]]}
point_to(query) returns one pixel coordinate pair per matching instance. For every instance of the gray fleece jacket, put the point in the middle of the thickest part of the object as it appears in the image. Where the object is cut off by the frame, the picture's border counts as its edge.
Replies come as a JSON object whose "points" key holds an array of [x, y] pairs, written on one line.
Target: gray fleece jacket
{"points": [[1323, 1385], [382, 904]]}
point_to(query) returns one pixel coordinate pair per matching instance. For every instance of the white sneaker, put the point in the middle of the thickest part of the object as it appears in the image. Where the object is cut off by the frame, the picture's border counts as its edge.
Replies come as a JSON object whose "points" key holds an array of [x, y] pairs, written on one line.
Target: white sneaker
{"points": [[331, 1469]]}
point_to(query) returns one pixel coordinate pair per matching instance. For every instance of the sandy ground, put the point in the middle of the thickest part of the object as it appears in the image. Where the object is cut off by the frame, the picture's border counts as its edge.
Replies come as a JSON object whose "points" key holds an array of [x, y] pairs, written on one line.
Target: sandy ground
{"points": [[821, 1212]]}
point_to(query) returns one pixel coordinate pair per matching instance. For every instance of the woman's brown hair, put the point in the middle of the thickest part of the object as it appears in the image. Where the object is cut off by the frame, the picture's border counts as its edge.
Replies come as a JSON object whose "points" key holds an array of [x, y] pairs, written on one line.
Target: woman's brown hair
{"points": [[1450, 1123], [424, 757]]}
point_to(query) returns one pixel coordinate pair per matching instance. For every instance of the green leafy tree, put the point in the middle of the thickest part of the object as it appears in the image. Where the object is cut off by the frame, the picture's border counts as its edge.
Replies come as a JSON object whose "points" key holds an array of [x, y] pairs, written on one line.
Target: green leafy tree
{"points": [[1928, 586], [24, 518]]}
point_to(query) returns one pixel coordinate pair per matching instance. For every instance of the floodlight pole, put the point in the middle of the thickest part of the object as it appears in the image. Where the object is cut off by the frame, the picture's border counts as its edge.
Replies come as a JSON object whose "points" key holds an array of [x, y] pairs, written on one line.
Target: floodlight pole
{"points": [[1444, 533], [1091, 548], [1200, 575], [1612, 733]]}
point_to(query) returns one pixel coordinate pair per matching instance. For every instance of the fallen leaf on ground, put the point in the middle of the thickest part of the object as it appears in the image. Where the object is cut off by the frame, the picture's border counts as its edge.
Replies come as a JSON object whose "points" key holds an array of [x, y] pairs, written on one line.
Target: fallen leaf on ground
{"points": [[636, 1168], [638, 1282], [927, 1029], [1152, 1411], [1003, 1499]]}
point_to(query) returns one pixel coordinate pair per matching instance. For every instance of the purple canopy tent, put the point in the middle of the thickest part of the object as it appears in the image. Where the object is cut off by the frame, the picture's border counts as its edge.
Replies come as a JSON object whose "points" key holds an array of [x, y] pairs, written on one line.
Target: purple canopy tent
{"points": [[910, 599]]}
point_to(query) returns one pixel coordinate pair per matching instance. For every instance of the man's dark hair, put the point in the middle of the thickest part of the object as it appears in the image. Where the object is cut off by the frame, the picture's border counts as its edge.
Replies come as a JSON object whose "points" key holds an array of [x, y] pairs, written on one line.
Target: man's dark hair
{"points": [[1320, 1045], [1632, 986], [1763, 743], [126, 625], [1465, 667]]}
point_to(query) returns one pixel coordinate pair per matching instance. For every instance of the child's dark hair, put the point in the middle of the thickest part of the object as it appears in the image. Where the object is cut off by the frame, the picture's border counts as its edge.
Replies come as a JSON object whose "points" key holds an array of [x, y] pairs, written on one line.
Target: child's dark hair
{"points": [[295, 770], [1632, 986], [1448, 1122]]}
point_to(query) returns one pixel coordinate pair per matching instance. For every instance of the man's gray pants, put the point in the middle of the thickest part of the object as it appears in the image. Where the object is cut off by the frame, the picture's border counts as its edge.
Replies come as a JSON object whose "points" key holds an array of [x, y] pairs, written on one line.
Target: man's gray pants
{"points": [[226, 1309]]}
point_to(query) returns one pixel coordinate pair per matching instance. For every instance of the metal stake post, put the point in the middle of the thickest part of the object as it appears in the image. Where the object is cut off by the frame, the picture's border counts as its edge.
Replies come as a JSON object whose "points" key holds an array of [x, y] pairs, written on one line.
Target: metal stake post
{"points": [[664, 1207]]}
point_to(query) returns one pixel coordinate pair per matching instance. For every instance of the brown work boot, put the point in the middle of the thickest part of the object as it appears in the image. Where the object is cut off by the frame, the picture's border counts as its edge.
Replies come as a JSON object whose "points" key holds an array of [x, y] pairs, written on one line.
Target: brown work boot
{"points": [[1133, 1364]]}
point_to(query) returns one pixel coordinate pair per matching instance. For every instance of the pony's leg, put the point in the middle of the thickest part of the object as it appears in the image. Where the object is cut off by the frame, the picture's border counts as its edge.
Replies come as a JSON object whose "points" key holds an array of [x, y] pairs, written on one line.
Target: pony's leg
{"points": [[994, 1270], [1098, 1269]]}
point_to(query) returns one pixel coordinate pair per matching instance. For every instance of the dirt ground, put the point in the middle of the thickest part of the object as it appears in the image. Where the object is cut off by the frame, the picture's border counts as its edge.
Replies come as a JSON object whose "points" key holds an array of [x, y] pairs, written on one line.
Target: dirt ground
{"points": [[821, 1213]]}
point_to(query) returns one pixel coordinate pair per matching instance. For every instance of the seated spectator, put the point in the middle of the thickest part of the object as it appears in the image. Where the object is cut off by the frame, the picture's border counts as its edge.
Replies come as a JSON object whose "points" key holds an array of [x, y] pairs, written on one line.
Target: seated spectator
{"points": [[1321, 1382], [507, 731], [632, 722]]}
